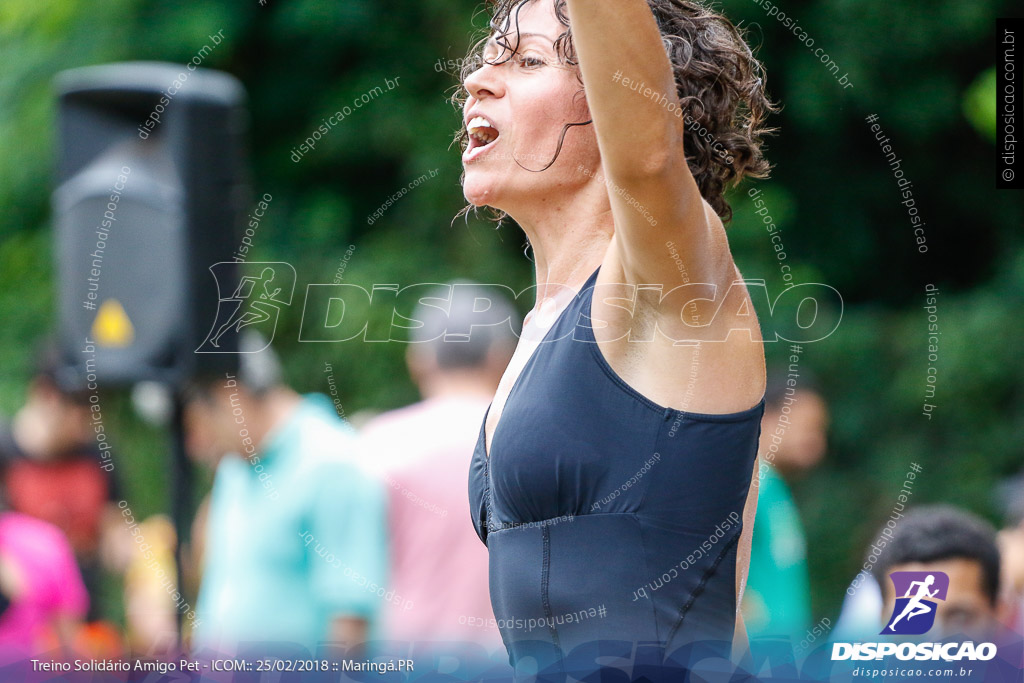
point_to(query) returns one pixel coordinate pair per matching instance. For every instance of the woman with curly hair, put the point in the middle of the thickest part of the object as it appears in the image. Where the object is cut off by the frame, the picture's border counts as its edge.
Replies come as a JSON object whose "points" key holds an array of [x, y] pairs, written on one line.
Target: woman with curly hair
{"points": [[612, 477]]}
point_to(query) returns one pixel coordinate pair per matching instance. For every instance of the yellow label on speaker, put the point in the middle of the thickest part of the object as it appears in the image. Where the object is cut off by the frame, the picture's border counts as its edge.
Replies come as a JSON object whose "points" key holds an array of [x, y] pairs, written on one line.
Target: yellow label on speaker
{"points": [[112, 326]]}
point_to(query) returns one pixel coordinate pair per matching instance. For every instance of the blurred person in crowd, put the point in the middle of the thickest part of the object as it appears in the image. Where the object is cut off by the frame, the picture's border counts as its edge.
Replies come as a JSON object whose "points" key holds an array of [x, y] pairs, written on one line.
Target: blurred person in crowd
{"points": [[295, 545], [793, 441], [438, 566], [943, 538], [42, 596], [144, 552], [858, 617], [57, 466], [1011, 549]]}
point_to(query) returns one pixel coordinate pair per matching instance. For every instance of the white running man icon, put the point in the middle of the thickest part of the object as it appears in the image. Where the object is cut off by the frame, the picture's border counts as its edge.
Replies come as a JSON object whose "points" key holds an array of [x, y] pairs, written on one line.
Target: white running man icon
{"points": [[916, 606]]}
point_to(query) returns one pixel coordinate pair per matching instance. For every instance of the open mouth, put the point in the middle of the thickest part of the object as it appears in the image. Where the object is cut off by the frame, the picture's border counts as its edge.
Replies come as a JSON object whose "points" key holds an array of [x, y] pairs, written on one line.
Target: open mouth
{"points": [[482, 133]]}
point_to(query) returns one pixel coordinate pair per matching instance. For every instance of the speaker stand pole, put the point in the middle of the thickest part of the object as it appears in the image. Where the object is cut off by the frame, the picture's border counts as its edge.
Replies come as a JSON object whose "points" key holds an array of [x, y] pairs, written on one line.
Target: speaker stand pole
{"points": [[181, 498]]}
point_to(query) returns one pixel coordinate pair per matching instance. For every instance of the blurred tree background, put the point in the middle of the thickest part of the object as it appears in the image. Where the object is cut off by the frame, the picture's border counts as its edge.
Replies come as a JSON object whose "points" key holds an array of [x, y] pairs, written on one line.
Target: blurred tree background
{"points": [[925, 67]]}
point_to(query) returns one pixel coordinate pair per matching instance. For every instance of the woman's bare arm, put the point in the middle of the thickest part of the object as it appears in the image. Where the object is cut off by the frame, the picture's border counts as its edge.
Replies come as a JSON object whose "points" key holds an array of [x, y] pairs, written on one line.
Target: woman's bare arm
{"points": [[632, 97], [741, 642]]}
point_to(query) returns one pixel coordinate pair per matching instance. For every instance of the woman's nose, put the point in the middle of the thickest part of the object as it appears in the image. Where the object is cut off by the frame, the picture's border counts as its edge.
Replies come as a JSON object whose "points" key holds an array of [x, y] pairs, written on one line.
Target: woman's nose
{"points": [[485, 82]]}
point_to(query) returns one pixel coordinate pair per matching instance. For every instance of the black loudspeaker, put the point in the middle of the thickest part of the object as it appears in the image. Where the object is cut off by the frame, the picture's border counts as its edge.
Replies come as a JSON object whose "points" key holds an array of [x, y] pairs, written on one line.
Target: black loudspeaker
{"points": [[151, 191]]}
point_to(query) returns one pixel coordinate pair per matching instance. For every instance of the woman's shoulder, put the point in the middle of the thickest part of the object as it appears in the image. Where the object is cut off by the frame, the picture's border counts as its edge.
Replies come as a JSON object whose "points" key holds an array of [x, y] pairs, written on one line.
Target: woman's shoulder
{"points": [[686, 344]]}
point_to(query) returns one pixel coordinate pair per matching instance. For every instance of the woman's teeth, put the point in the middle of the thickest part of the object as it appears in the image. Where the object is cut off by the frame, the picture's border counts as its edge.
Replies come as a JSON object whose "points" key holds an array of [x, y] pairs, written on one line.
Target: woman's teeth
{"points": [[482, 129]]}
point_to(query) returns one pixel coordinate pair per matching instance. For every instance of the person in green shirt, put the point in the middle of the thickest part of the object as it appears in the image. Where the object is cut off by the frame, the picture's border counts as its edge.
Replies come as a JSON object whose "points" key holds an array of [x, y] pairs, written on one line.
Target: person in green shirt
{"points": [[793, 440]]}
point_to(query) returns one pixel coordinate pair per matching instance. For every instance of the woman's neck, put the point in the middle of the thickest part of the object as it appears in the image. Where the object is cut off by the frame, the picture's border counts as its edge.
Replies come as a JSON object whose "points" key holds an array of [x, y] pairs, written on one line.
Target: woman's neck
{"points": [[569, 241]]}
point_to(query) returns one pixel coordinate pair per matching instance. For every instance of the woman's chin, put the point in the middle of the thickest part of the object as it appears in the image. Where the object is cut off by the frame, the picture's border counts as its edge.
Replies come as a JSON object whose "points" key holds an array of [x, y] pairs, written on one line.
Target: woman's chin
{"points": [[478, 192]]}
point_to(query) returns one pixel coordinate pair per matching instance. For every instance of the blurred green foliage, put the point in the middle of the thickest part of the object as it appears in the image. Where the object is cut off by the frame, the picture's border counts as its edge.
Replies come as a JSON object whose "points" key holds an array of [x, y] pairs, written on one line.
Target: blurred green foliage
{"points": [[921, 65]]}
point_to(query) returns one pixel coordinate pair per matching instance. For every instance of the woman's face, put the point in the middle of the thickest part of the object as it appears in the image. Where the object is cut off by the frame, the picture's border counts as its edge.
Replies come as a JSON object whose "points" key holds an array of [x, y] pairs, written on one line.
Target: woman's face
{"points": [[517, 106]]}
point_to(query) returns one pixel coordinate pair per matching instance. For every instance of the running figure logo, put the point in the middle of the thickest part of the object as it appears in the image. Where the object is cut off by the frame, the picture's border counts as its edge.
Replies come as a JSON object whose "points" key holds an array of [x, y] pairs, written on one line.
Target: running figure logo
{"points": [[914, 612], [258, 292]]}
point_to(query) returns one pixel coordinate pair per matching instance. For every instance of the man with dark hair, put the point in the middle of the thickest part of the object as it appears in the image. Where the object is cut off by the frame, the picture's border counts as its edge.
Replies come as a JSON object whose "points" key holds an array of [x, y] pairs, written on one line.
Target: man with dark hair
{"points": [[294, 548], [942, 538]]}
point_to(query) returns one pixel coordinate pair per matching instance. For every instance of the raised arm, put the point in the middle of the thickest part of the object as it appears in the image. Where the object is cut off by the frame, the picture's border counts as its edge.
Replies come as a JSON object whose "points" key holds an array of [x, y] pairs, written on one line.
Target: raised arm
{"points": [[632, 97]]}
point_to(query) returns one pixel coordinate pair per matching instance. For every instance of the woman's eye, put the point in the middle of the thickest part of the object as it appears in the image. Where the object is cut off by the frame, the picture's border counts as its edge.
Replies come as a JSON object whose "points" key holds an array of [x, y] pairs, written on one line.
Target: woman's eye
{"points": [[529, 61]]}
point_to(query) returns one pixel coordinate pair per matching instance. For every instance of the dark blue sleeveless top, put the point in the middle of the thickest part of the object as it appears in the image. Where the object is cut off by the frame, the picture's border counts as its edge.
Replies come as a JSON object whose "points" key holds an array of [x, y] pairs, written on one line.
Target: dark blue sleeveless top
{"points": [[607, 516]]}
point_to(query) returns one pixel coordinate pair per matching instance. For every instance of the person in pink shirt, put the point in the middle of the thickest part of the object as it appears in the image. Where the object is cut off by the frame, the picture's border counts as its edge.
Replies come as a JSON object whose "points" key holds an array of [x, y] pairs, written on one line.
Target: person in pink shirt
{"points": [[43, 590], [438, 587]]}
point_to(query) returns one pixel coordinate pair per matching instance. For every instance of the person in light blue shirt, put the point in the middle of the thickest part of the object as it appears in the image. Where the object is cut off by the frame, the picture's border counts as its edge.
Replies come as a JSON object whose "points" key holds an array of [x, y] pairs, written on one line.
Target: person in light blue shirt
{"points": [[294, 547]]}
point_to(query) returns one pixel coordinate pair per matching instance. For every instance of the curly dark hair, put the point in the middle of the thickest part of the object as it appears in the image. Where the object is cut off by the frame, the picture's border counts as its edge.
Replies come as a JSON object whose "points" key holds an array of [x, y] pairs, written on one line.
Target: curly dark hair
{"points": [[719, 82]]}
